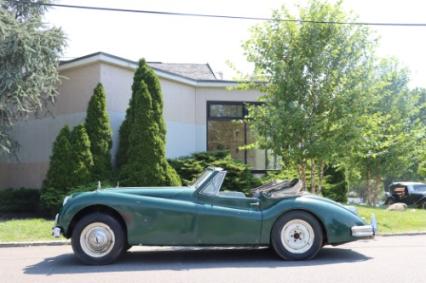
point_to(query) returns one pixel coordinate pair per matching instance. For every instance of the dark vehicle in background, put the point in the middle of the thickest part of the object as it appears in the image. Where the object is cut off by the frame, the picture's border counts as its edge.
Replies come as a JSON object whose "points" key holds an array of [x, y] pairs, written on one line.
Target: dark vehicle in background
{"points": [[410, 193]]}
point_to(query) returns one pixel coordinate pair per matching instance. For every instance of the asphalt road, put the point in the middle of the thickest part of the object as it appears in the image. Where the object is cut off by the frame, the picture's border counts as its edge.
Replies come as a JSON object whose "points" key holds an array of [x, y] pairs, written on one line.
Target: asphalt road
{"points": [[384, 259]]}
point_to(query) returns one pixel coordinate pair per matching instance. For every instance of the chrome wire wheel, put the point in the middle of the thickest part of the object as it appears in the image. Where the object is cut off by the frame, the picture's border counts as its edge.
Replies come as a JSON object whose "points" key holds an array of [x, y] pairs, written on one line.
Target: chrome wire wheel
{"points": [[97, 239], [297, 236]]}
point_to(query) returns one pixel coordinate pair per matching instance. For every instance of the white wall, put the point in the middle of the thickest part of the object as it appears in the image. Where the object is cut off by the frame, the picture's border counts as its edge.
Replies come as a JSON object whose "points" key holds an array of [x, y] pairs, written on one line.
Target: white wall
{"points": [[184, 113]]}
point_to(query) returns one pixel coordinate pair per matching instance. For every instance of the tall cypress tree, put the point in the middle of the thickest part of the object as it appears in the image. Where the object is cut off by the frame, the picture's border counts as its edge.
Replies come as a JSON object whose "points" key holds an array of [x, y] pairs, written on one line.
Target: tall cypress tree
{"points": [[82, 160], [99, 130], [58, 178], [142, 154]]}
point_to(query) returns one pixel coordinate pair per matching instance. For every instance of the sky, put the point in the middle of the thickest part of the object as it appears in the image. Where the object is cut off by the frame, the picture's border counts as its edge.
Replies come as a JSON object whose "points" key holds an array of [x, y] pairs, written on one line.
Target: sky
{"points": [[173, 39]]}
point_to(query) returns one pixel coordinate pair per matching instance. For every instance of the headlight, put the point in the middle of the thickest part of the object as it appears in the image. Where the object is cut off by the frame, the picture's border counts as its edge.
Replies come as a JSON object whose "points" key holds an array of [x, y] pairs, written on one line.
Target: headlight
{"points": [[65, 200]]}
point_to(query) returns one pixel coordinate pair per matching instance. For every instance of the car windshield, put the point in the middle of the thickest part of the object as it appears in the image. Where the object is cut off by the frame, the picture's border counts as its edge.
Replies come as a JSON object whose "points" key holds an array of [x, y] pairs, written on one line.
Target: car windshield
{"points": [[202, 178], [420, 188]]}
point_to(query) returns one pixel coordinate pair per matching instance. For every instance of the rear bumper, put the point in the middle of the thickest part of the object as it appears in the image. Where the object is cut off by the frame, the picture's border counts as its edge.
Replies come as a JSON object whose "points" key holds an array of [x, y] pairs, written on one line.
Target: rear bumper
{"points": [[364, 231]]}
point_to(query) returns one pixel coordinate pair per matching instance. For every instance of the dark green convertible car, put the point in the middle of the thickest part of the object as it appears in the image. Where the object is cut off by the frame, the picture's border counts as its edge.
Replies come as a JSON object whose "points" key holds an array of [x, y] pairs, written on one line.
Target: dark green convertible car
{"points": [[103, 224]]}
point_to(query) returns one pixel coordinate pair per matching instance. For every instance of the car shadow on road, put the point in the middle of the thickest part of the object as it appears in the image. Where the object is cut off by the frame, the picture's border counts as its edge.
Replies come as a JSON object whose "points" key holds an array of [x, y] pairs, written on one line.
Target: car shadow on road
{"points": [[184, 259]]}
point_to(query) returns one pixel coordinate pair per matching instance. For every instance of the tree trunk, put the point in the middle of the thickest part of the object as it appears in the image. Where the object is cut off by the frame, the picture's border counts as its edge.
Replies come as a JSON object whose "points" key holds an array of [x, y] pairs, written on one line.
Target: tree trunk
{"points": [[302, 173], [320, 176], [377, 183], [368, 186], [312, 176]]}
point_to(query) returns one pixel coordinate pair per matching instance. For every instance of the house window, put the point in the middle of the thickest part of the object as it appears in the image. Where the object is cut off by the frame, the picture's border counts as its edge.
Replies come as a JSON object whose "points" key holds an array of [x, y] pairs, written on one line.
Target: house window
{"points": [[227, 130]]}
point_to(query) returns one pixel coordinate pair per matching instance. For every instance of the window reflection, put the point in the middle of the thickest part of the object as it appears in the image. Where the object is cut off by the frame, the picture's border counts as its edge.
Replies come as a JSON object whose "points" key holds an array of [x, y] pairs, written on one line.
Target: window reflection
{"points": [[226, 130]]}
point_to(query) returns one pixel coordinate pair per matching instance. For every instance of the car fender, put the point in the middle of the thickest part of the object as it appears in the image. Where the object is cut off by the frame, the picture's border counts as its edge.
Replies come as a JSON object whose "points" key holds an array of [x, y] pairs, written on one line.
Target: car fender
{"points": [[336, 220]]}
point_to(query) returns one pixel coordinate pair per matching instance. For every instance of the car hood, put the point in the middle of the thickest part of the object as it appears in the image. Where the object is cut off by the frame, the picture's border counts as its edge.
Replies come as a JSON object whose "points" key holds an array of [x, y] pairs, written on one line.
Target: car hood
{"points": [[163, 192]]}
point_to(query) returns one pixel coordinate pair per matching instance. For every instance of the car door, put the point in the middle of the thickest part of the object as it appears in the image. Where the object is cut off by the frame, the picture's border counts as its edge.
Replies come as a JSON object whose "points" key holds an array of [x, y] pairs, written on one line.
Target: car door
{"points": [[164, 221], [227, 219]]}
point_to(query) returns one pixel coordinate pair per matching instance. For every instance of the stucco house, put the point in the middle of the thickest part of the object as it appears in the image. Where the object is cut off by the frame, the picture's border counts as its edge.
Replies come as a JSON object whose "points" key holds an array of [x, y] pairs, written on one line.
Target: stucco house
{"points": [[201, 110]]}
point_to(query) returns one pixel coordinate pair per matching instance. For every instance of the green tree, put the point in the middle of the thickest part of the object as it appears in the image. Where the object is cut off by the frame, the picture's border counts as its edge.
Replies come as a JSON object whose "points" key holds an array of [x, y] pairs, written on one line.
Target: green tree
{"points": [[99, 130], [82, 159], [335, 187], [313, 78], [391, 132], [29, 57], [142, 155], [58, 178]]}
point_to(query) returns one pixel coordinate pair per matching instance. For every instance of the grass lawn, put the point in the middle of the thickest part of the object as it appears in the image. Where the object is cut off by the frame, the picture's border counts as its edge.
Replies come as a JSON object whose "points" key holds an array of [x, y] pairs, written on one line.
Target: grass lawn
{"points": [[410, 220], [22, 230]]}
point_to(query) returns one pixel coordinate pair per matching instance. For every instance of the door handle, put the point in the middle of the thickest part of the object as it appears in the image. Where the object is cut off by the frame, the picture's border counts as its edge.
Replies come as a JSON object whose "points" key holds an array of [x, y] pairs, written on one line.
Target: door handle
{"points": [[255, 203]]}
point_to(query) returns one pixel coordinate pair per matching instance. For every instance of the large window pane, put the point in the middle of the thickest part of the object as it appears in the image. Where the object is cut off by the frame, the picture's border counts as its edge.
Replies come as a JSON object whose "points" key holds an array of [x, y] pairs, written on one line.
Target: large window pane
{"points": [[227, 135], [226, 111], [227, 131], [260, 159]]}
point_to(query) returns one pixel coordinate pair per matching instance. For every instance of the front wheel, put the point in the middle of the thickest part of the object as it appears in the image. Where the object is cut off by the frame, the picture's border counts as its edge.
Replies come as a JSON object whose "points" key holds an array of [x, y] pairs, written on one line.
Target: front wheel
{"points": [[98, 239], [297, 235]]}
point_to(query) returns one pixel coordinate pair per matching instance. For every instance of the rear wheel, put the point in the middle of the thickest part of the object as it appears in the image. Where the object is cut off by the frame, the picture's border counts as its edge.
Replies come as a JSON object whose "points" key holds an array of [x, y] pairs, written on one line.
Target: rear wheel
{"points": [[98, 239], [297, 235]]}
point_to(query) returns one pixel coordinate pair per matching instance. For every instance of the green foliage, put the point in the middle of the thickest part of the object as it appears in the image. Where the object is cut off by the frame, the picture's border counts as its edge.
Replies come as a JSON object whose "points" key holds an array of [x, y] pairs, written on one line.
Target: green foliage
{"points": [[82, 160], [29, 56], [330, 100], [238, 178], [335, 187], [99, 130], [19, 200], [71, 164], [60, 174], [142, 154], [313, 79], [286, 173]]}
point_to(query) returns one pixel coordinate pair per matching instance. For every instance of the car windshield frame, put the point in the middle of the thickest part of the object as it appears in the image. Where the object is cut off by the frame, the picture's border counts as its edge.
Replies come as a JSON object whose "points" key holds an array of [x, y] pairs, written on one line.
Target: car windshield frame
{"points": [[202, 178], [214, 183]]}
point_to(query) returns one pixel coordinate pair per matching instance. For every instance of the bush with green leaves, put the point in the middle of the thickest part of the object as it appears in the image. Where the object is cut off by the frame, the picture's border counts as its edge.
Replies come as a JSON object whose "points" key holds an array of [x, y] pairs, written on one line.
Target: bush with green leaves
{"points": [[70, 165], [82, 159], [335, 187], [22, 200], [142, 154], [238, 178], [99, 130], [59, 174]]}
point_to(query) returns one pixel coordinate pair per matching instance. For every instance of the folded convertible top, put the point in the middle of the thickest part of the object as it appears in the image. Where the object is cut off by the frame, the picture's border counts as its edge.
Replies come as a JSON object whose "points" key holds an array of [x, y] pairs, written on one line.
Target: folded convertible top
{"points": [[280, 189]]}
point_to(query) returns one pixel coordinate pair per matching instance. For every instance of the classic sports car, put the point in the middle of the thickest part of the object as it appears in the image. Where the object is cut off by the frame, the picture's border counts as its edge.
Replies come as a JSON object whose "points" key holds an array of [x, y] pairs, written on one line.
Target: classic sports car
{"points": [[103, 224]]}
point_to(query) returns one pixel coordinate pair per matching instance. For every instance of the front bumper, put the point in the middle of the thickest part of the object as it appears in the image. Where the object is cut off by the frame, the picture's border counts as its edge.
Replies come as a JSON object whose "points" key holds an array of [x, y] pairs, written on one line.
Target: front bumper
{"points": [[56, 231]]}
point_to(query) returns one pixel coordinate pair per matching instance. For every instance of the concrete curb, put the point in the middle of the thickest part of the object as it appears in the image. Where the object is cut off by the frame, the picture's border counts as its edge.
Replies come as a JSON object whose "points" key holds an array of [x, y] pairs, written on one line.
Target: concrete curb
{"points": [[402, 234], [34, 244], [68, 242]]}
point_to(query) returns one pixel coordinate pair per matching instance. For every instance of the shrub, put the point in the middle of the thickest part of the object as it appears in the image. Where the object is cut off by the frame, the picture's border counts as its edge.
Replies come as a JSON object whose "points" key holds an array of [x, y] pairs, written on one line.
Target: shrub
{"points": [[70, 166], [82, 160], [59, 175], [335, 187], [21, 200], [99, 131], [238, 178], [142, 154]]}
